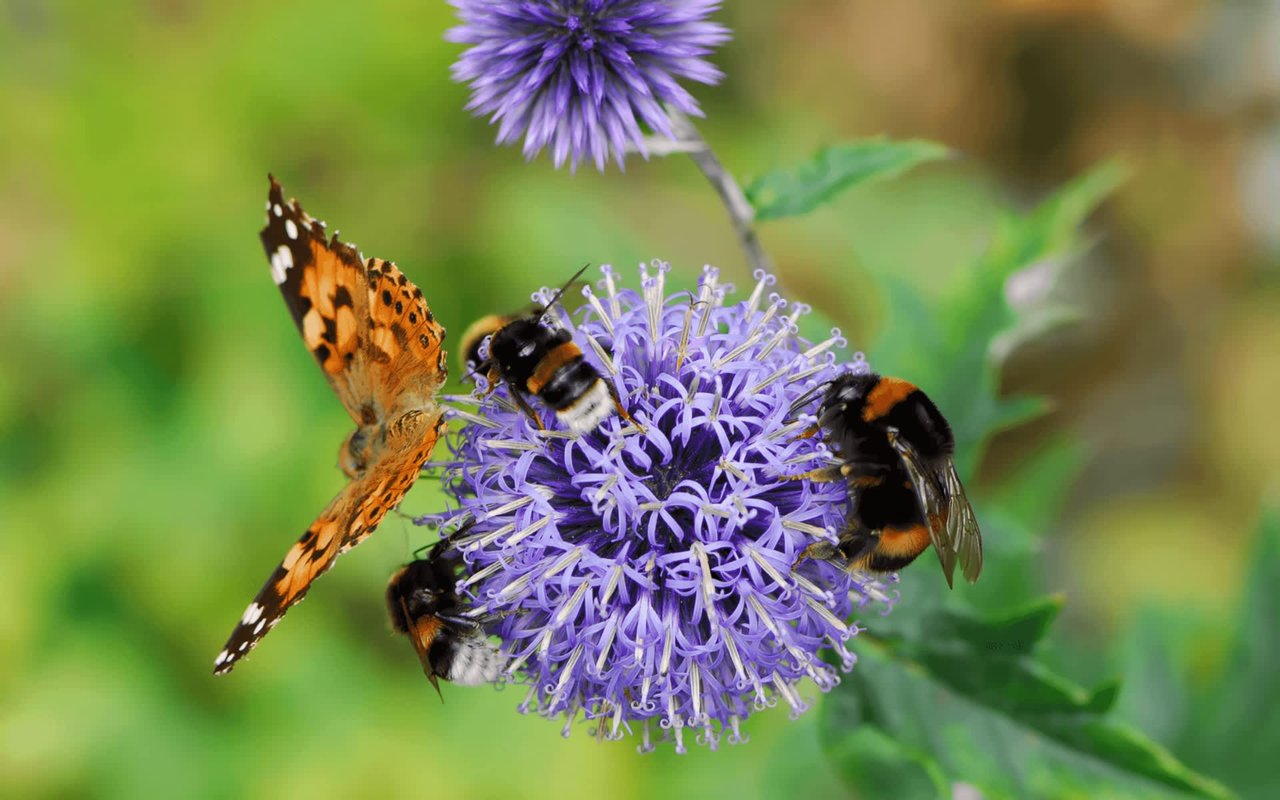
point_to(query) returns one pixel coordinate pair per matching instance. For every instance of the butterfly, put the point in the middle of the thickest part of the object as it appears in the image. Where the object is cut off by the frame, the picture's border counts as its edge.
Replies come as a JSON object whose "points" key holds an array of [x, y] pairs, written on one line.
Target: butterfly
{"points": [[380, 348]]}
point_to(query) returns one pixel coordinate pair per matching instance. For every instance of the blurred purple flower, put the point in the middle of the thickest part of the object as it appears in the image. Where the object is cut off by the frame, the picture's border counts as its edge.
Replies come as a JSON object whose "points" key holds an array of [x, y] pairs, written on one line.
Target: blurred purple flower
{"points": [[642, 577], [581, 76]]}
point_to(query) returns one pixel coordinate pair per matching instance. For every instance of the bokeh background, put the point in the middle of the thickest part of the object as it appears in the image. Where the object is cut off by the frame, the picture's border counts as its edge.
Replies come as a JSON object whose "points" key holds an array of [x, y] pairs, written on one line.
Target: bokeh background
{"points": [[164, 435]]}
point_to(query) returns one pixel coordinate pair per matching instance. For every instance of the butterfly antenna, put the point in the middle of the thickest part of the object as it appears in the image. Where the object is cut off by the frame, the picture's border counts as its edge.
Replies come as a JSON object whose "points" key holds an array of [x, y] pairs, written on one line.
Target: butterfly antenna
{"points": [[560, 293]]}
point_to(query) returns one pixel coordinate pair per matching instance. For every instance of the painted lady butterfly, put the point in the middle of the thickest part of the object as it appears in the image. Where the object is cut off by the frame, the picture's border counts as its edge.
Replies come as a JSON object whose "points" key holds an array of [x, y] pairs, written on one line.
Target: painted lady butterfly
{"points": [[380, 347]]}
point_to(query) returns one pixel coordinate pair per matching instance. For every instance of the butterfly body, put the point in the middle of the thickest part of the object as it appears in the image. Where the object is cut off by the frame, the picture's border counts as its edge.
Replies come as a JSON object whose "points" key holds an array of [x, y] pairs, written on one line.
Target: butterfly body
{"points": [[378, 344]]}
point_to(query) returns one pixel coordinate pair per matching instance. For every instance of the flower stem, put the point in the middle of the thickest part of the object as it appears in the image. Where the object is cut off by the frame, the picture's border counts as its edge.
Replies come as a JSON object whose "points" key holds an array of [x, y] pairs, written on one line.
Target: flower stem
{"points": [[741, 214]]}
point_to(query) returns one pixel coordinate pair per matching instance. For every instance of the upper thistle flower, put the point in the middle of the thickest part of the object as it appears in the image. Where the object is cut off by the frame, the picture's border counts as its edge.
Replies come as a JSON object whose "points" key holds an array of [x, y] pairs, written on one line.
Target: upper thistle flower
{"points": [[643, 573], [581, 76]]}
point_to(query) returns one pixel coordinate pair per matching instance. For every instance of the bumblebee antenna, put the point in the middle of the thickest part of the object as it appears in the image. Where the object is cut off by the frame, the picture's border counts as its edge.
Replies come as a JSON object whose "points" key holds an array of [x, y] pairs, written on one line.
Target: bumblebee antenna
{"points": [[560, 293]]}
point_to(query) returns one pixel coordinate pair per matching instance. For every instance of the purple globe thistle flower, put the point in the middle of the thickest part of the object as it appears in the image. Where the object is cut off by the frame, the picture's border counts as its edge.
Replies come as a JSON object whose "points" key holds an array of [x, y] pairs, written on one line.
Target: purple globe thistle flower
{"points": [[642, 574], [581, 76]]}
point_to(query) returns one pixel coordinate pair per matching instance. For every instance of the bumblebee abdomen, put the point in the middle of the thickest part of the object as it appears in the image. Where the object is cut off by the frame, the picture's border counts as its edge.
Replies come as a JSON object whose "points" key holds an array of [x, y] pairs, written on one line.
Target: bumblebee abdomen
{"points": [[888, 502]]}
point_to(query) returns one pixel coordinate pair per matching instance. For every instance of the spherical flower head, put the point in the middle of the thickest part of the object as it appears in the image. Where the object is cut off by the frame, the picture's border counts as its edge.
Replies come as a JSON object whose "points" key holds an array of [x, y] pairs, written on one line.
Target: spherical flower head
{"points": [[583, 76], [643, 573]]}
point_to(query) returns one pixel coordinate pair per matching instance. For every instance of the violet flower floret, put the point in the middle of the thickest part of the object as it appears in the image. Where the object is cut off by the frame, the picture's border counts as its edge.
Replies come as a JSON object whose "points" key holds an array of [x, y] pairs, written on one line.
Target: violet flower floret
{"points": [[584, 77], [641, 575]]}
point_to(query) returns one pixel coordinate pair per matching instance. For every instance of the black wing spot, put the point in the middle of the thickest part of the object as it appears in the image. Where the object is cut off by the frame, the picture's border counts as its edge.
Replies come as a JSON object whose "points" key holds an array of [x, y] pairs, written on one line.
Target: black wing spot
{"points": [[424, 340], [342, 297], [399, 307], [322, 352], [386, 297]]}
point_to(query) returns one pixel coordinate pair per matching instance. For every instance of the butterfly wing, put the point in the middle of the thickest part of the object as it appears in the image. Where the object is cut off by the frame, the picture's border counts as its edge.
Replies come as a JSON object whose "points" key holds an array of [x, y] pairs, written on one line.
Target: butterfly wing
{"points": [[346, 521], [953, 528], [372, 333], [325, 286], [406, 362]]}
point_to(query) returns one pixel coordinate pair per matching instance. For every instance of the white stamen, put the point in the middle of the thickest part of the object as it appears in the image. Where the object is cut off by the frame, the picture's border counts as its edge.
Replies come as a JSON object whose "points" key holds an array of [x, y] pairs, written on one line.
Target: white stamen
{"points": [[823, 346], [480, 575], [527, 531], [682, 350], [605, 319], [511, 444], [508, 507], [473, 419], [615, 576], [762, 279], [601, 354], [707, 584], [695, 692], [804, 527], [732, 469], [769, 569], [606, 645], [769, 346], [828, 615], [612, 291], [731, 645], [668, 642], [565, 674], [765, 617], [569, 608]]}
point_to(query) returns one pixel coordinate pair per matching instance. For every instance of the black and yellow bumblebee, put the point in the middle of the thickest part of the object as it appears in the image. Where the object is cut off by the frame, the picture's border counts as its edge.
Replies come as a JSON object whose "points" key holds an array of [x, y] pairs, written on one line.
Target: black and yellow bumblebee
{"points": [[424, 605], [542, 362], [895, 449]]}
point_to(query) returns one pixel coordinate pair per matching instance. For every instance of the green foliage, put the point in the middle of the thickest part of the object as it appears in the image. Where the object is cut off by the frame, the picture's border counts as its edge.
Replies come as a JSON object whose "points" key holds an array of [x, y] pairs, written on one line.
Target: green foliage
{"points": [[960, 697], [1236, 725], [969, 692], [800, 189], [947, 347]]}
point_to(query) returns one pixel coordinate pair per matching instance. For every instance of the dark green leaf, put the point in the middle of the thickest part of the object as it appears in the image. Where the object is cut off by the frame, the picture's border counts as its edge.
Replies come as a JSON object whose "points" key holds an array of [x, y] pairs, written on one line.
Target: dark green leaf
{"points": [[799, 190], [969, 693], [1237, 733]]}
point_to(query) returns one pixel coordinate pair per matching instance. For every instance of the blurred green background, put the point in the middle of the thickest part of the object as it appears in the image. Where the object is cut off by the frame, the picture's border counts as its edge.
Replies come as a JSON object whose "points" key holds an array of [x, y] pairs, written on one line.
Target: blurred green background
{"points": [[164, 436]]}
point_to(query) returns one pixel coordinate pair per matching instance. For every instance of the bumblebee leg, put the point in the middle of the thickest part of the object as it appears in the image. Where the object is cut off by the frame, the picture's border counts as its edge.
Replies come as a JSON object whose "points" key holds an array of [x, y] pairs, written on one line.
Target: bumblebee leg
{"points": [[808, 433], [820, 551], [527, 409], [617, 403], [820, 475]]}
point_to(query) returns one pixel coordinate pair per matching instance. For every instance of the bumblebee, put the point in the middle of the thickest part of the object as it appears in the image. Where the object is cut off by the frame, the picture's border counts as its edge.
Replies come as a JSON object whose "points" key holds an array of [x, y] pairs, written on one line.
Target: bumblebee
{"points": [[538, 361], [896, 452], [423, 602]]}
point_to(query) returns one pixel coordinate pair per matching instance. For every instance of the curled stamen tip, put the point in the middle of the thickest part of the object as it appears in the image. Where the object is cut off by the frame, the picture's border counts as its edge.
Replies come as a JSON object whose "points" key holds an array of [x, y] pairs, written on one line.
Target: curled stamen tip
{"points": [[761, 275]]}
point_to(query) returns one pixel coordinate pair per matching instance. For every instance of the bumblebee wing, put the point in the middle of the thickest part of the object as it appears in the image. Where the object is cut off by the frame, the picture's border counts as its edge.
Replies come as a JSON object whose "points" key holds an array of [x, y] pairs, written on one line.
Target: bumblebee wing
{"points": [[953, 528], [961, 525]]}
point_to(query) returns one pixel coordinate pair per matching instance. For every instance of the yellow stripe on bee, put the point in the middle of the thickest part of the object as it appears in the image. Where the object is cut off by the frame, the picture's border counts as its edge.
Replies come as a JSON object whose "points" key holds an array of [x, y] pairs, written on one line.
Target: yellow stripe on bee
{"points": [[559, 356], [886, 394]]}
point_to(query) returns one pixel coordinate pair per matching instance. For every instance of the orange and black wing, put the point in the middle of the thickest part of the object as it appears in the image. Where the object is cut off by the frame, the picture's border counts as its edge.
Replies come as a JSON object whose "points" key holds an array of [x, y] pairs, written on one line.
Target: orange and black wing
{"points": [[325, 286], [953, 528], [346, 521], [406, 363]]}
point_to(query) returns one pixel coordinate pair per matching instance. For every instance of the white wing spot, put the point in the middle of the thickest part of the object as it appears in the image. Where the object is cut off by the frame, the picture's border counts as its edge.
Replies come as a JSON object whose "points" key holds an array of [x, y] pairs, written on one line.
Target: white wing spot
{"points": [[243, 645], [281, 263], [257, 629], [279, 211], [223, 656], [291, 229], [251, 614]]}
